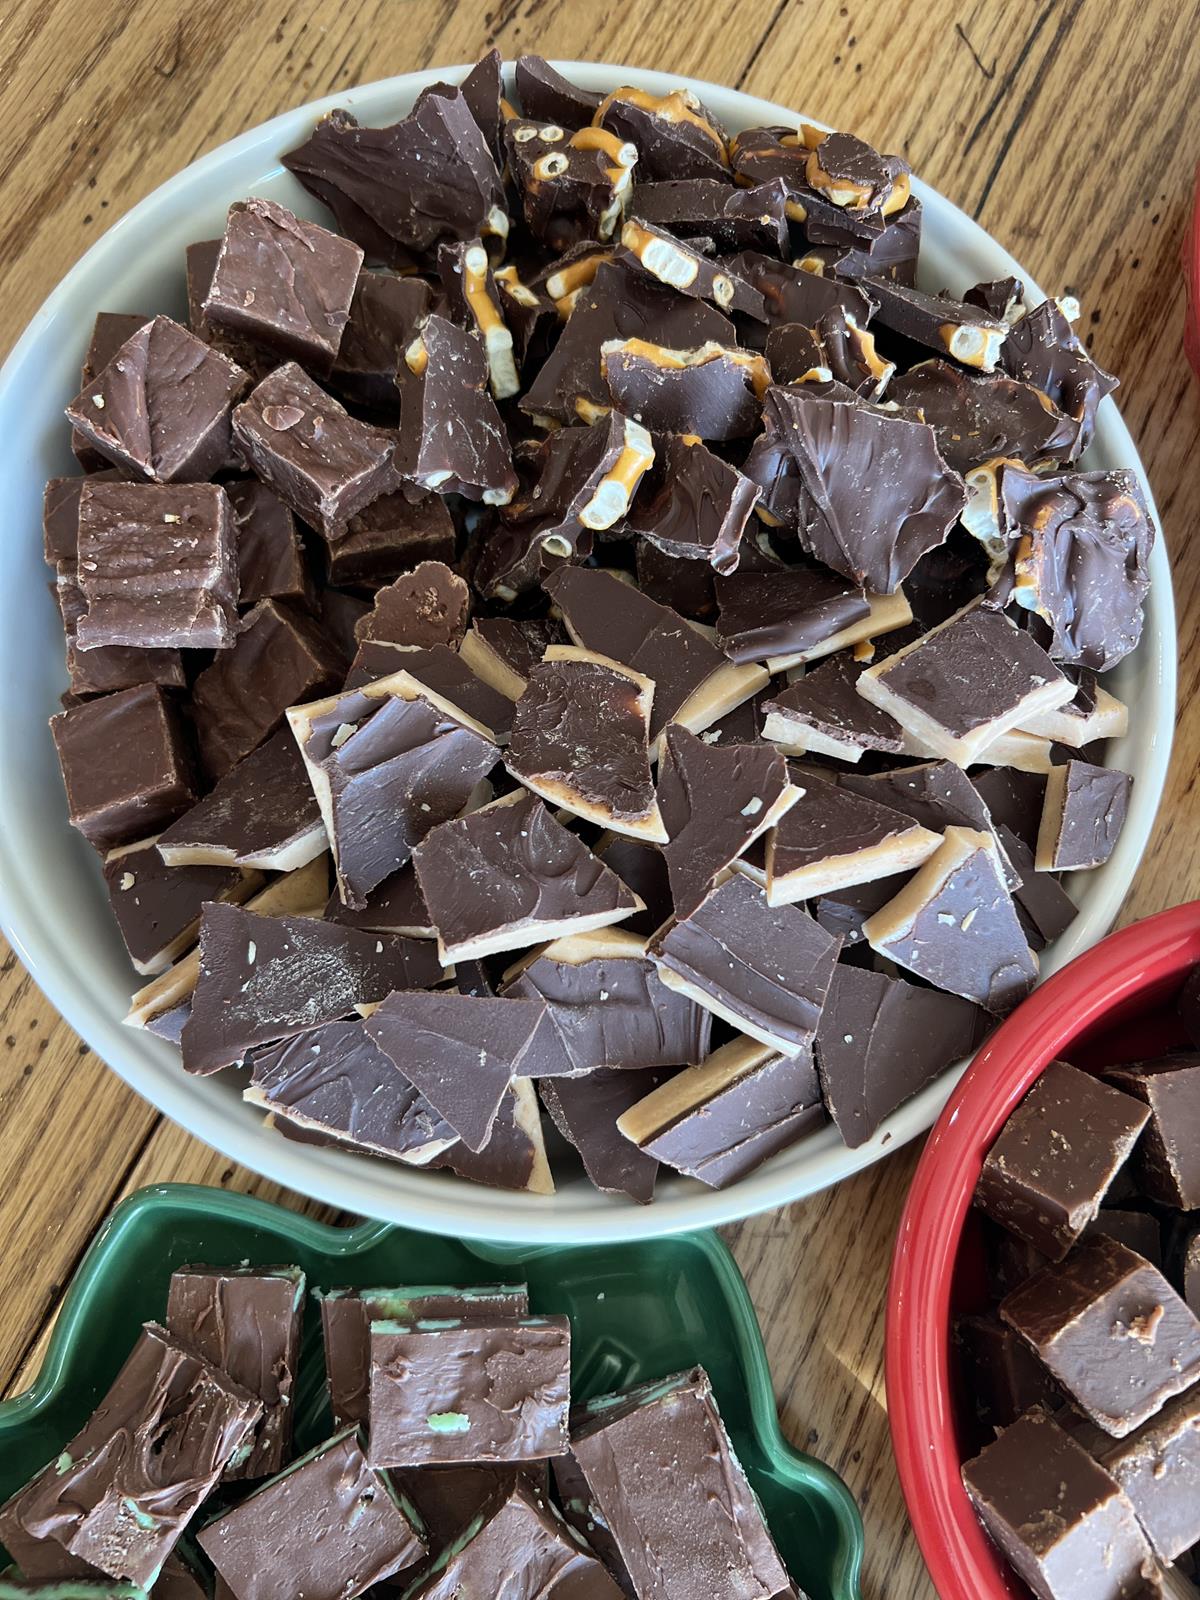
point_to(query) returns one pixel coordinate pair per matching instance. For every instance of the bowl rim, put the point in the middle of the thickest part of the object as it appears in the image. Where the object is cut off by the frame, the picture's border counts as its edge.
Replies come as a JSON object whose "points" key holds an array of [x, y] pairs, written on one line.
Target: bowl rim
{"points": [[361, 1184], [962, 1561]]}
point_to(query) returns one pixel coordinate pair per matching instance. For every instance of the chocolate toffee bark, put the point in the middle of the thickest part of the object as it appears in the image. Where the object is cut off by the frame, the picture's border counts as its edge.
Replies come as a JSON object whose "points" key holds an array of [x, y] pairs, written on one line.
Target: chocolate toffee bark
{"points": [[1082, 817], [694, 505], [330, 1520], [510, 875], [443, 672], [642, 868], [587, 1110], [823, 714], [271, 559], [125, 1487], [937, 794], [1093, 714], [798, 614], [452, 438], [420, 609], [1167, 1161], [157, 907], [246, 1321], [831, 838], [514, 1158]]}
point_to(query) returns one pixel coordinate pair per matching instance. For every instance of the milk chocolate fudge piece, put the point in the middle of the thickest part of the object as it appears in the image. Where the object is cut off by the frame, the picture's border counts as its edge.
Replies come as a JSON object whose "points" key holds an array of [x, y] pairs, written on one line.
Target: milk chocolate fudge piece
{"points": [[704, 1120], [109, 332], [113, 801], [677, 136], [330, 1520], [607, 1007], [397, 191], [284, 282], [964, 683], [271, 562], [60, 515], [347, 1314], [1139, 1230], [201, 263], [246, 1321], [510, 875], [1043, 349], [1062, 1522], [573, 187], [716, 1541], [426, 607], [1083, 815], [1167, 1163], [799, 614], [384, 315], [126, 1486], [280, 656], [985, 418], [319, 459], [109, 668], [160, 407], [579, 739], [388, 537], [441, 670], [157, 566], [452, 438], [444, 1391], [822, 713], [1056, 1156], [676, 265], [459, 1051], [763, 969], [714, 803], [387, 763], [514, 1158], [267, 978], [473, 300], [954, 924], [520, 1541], [707, 209], [157, 907], [831, 838], [1158, 1467], [1004, 1378], [1112, 1331], [713, 390], [262, 813], [817, 467], [881, 1040], [586, 1111], [549, 97], [1191, 1273], [697, 505], [335, 1081]]}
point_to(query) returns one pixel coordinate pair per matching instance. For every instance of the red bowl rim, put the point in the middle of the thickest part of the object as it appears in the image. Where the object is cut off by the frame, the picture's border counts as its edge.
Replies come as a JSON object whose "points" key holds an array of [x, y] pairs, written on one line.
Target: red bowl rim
{"points": [[961, 1560]]}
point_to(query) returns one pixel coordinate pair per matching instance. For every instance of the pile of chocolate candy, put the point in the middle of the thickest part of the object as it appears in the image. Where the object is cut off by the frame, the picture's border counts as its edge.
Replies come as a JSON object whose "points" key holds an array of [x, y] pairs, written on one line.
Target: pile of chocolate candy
{"points": [[1089, 1366], [664, 619], [451, 1409]]}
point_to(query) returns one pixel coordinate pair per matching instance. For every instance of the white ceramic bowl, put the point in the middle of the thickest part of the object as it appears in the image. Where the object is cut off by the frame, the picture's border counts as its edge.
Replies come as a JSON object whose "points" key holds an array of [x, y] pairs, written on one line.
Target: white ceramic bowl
{"points": [[52, 902]]}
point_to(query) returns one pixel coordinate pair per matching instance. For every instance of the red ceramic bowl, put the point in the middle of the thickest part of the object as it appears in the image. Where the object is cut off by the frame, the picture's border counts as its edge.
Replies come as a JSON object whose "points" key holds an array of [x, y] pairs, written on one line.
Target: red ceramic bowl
{"points": [[1116, 1003]]}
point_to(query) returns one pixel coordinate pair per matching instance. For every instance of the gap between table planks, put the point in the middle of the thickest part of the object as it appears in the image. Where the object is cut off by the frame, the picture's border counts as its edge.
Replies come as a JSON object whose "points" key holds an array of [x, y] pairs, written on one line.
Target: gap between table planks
{"points": [[1068, 129]]}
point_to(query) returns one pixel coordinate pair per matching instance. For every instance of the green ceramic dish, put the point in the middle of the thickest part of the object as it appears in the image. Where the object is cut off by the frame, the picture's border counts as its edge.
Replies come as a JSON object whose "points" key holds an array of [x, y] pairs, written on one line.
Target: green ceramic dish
{"points": [[637, 1311]]}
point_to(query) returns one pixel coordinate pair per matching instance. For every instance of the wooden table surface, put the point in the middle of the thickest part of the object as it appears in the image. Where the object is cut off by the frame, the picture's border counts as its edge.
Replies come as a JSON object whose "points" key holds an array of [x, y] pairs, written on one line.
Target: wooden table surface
{"points": [[1068, 129]]}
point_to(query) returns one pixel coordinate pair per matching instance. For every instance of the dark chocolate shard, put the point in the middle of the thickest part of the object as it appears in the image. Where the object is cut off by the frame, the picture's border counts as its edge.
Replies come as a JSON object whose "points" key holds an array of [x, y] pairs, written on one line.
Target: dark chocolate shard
{"points": [[1043, 349], [714, 391], [822, 713], [693, 505], [549, 97], [1014, 800], [157, 908], [642, 868], [504, 650], [420, 609], [832, 838], [271, 560], [791, 294], [683, 584], [798, 614], [980, 418], [968, 332], [706, 209], [1044, 907], [937, 794], [395, 906], [676, 135], [452, 438], [442, 670], [514, 1158], [472, 300], [586, 1111]]}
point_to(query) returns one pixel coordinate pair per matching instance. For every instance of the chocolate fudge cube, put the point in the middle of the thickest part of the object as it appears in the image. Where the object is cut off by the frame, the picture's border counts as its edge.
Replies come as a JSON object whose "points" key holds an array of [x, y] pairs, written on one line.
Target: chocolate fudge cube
{"points": [[388, 537], [1167, 1162], [125, 764], [113, 667], [109, 332], [1158, 1466], [161, 407], [1004, 1378], [384, 316], [283, 282], [157, 566]]}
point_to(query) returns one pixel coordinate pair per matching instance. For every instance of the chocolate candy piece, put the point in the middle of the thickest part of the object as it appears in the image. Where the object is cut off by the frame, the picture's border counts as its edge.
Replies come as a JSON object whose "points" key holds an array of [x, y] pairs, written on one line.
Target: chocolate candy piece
{"points": [[426, 607], [347, 1314], [1058, 1517], [503, 650], [845, 910], [579, 739], [705, 1121], [270, 553], [384, 315], [1137, 1229], [1083, 816], [508, 876], [319, 460], [793, 296], [714, 390], [573, 187], [518, 1540], [586, 1111], [1167, 1163], [396, 906], [267, 978], [679, 266], [330, 1520], [459, 1051], [967, 332], [113, 667], [954, 924], [447, 1391], [763, 969], [714, 803], [530, 317], [822, 713], [693, 683], [262, 813], [817, 465], [387, 763], [1043, 349], [607, 1007], [246, 1321], [283, 282], [675, 133], [391, 535], [831, 838], [696, 506], [1158, 1467], [441, 670], [936, 794], [156, 1444], [157, 907], [1082, 561], [280, 656], [157, 566], [642, 868], [1003, 1377], [473, 299], [852, 175], [109, 332], [125, 764], [60, 516], [1093, 714], [1056, 1156], [514, 1158], [160, 407], [549, 97], [881, 1040], [1112, 1331], [397, 191], [714, 1541], [1191, 1273], [201, 262], [709, 209], [1014, 800], [452, 438], [982, 418], [334, 1080], [960, 686], [798, 614]]}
